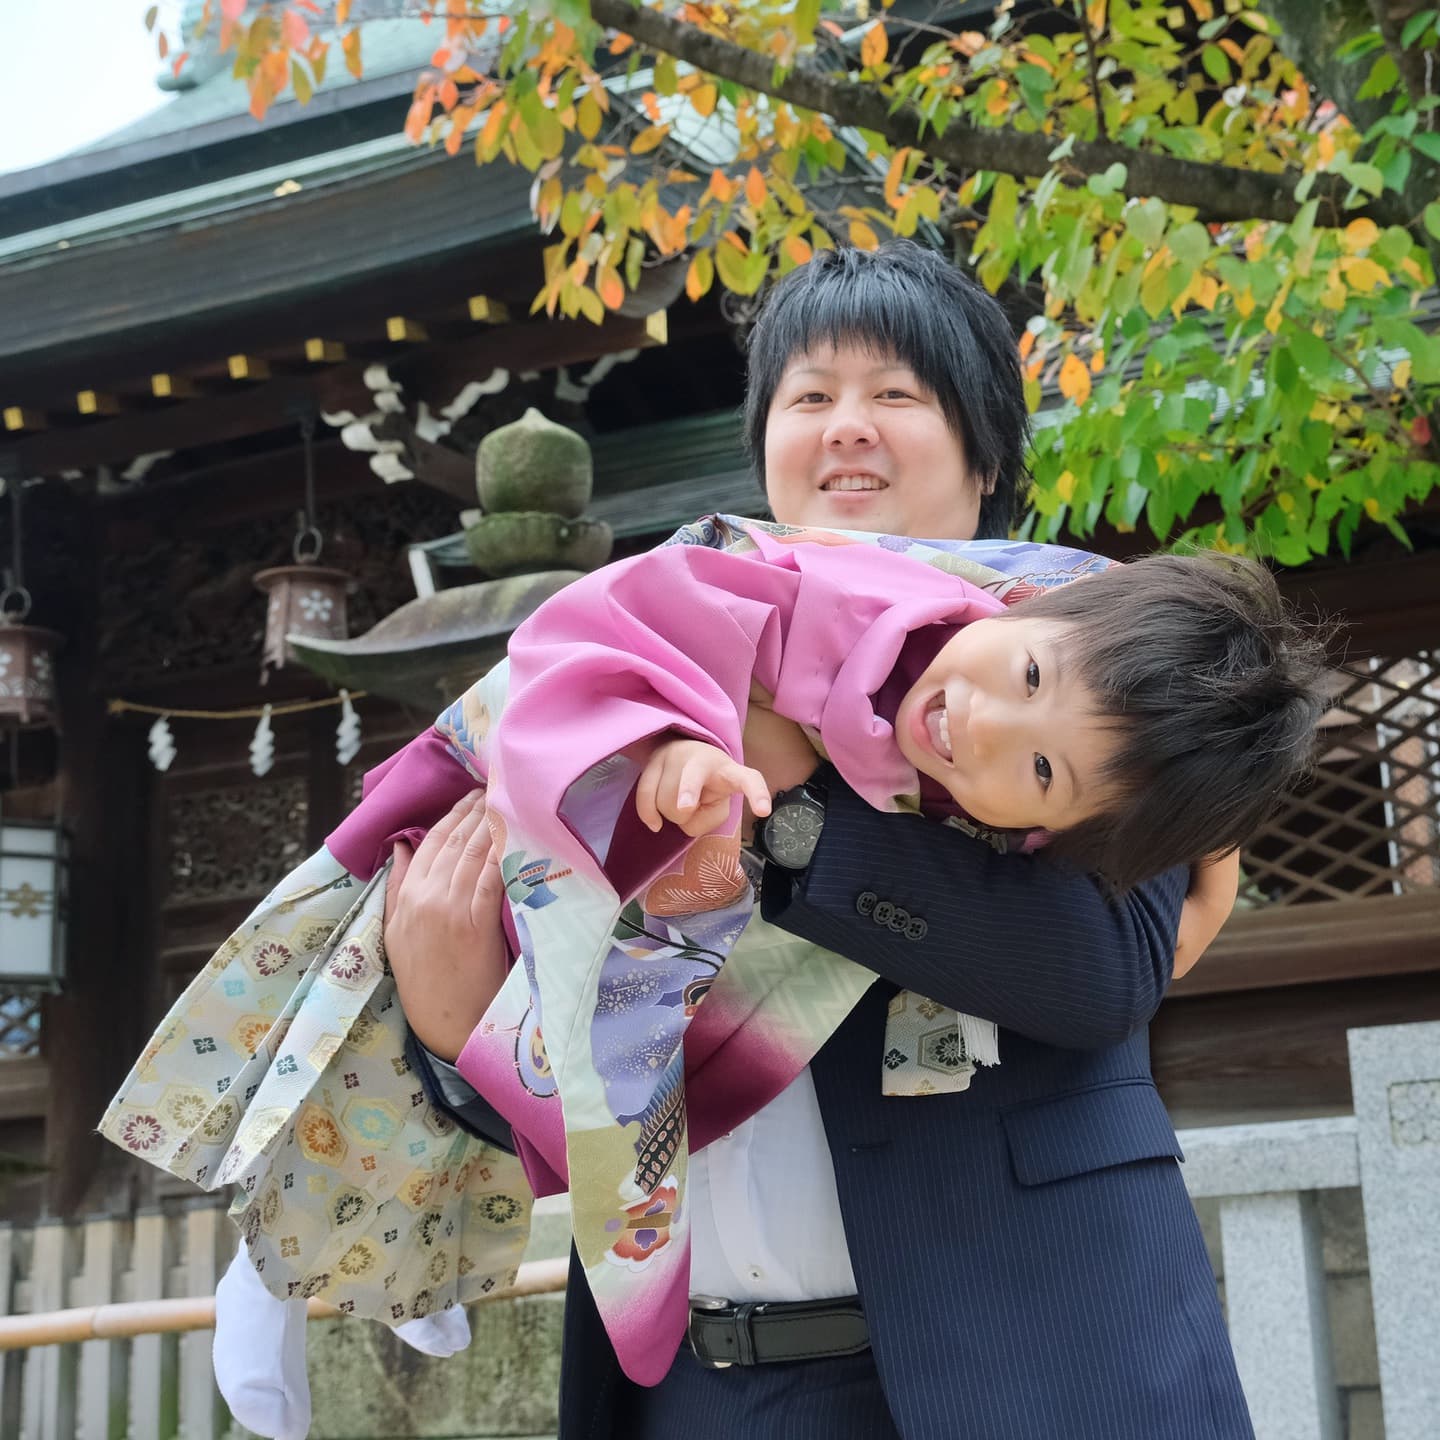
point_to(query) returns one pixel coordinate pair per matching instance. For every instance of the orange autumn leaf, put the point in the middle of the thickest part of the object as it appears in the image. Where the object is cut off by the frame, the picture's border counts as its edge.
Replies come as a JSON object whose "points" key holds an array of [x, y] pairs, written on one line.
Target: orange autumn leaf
{"points": [[798, 249], [342, 11], [449, 94], [294, 29], [755, 191], [1361, 234], [1075, 380], [704, 98], [1097, 362], [894, 175], [648, 139], [610, 288], [722, 187], [874, 46], [1027, 343], [490, 132], [621, 43], [862, 236], [351, 47]]}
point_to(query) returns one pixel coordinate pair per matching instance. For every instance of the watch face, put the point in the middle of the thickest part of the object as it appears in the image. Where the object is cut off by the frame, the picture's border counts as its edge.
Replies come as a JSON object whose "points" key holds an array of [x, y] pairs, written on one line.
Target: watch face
{"points": [[793, 831]]}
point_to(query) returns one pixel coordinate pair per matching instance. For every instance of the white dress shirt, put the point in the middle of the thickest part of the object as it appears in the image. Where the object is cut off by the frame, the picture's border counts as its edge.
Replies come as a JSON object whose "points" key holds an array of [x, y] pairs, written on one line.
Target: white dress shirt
{"points": [[764, 1212]]}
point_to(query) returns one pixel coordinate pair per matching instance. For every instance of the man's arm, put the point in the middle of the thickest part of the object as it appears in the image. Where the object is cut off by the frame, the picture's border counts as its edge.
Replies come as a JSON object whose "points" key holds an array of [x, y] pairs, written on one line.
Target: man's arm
{"points": [[1027, 942]]}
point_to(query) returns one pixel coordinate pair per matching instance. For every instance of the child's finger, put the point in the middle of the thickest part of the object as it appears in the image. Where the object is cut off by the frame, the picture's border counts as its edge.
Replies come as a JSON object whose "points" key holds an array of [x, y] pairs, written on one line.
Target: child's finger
{"points": [[708, 817], [647, 793], [751, 783], [697, 776]]}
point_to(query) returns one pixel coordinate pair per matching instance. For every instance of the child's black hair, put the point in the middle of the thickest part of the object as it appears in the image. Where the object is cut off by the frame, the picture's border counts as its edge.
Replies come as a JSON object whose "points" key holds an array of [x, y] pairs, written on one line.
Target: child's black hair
{"points": [[1216, 690], [908, 302]]}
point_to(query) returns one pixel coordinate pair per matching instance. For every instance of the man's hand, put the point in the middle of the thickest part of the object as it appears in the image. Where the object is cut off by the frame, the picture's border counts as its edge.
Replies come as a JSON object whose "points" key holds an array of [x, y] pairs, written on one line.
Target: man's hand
{"points": [[1214, 884], [443, 934], [692, 783]]}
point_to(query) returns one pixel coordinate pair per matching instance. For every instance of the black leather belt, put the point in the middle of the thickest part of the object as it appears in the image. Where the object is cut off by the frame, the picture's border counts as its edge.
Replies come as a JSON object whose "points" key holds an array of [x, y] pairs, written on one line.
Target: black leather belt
{"points": [[722, 1333]]}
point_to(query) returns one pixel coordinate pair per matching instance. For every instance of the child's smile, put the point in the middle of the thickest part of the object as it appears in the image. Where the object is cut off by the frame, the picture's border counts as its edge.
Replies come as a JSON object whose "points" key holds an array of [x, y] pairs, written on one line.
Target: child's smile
{"points": [[1006, 728]]}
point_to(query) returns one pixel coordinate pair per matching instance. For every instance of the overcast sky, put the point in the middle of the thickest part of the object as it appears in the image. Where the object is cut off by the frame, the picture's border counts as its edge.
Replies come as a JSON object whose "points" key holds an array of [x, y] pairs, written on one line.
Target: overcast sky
{"points": [[72, 72]]}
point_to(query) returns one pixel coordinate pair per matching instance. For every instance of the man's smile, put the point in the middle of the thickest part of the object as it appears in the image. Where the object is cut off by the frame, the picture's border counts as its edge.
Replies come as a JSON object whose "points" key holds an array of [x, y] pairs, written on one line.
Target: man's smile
{"points": [[854, 480]]}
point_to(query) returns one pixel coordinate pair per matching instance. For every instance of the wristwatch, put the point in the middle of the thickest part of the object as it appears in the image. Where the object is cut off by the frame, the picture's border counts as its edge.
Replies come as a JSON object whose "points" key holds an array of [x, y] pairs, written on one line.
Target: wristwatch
{"points": [[788, 835]]}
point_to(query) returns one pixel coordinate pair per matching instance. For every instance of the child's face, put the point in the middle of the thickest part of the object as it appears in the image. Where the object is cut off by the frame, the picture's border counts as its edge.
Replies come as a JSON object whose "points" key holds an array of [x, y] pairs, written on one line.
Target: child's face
{"points": [[1008, 728]]}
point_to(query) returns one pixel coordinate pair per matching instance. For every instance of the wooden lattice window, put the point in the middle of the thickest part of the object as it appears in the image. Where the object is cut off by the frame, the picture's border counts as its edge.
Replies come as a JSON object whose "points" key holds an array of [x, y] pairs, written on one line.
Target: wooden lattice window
{"points": [[1366, 824], [19, 1023]]}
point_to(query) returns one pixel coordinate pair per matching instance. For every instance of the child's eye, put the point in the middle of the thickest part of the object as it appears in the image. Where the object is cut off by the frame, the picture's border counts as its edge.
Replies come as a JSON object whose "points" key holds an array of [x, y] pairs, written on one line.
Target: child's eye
{"points": [[1032, 676], [811, 397], [1043, 771]]}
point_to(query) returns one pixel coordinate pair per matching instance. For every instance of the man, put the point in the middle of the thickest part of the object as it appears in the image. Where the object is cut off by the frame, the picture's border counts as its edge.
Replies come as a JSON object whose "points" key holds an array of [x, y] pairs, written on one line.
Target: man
{"points": [[1014, 1260]]}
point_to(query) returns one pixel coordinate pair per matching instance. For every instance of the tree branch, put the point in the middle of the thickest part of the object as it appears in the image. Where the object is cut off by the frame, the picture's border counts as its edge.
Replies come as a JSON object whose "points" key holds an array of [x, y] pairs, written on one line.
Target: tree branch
{"points": [[1082, 14], [1390, 16], [1218, 192]]}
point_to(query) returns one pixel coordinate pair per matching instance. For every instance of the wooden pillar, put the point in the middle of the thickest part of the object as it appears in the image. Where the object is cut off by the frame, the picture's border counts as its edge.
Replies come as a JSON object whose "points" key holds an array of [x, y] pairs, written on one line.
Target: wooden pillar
{"points": [[91, 1023]]}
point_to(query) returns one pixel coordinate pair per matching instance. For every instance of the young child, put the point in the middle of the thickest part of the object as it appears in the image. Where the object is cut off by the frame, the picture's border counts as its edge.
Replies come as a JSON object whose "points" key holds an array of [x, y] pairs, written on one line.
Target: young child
{"points": [[1133, 721]]}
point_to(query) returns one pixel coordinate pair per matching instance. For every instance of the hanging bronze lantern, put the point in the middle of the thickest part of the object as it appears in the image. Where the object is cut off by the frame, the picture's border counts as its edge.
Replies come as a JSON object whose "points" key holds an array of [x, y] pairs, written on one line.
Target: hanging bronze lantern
{"points": [[27, 669], [306, 599], [27, 653]]}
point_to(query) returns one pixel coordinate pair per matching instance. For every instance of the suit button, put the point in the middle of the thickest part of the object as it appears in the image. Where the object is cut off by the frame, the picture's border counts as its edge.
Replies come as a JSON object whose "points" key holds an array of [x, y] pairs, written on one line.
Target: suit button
{"points": [[899, 920], [884, 913], [917, 929], [865, 901]]}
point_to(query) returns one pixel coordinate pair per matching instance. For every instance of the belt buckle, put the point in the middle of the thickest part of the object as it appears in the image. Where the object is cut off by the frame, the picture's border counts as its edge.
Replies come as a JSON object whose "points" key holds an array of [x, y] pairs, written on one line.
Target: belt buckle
{"points": [[715, 1304]]}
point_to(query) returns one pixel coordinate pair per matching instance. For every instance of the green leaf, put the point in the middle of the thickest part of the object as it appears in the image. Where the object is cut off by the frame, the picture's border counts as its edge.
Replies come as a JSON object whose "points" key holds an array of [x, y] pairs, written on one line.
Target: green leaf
{"points": [[807, 13], [1109, 182], [1190, 243], [1360, 45], [1432, 218], [1364, 177], [1427, 142], [1145, 220], [1217, 64], [1416, 26], [1383, 77]]}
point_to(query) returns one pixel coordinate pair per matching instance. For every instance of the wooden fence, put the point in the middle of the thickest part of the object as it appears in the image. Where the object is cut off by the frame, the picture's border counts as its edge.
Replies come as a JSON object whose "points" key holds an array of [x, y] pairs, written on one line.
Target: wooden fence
{"points": [[106, 1389]]}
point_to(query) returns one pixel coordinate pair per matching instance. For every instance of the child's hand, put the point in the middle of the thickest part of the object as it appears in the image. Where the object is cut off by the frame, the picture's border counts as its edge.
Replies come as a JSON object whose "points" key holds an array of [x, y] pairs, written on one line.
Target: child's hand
{"points": [[692, 783], [1214, 883]]}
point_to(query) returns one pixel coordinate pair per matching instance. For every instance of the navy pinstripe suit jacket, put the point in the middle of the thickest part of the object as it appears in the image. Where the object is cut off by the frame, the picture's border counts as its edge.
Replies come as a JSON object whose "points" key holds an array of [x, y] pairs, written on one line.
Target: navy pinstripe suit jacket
{"points": [[1030, 1264]]}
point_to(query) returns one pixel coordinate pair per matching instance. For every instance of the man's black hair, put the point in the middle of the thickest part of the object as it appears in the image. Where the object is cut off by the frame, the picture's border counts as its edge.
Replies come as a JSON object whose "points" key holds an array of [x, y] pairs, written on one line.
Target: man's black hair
{"points": [[1215, 690], [907, 302]]}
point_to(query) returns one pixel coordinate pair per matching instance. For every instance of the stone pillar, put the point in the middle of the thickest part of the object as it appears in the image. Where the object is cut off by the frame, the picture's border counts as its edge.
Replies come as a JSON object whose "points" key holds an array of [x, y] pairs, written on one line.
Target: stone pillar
{"points": [[1275, 1305], [1395, 1074]]}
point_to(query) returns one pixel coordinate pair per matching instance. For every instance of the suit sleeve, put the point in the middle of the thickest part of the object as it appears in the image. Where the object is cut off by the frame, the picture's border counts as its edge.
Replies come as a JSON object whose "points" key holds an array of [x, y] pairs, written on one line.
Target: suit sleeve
{"points": [[1028, 942]]}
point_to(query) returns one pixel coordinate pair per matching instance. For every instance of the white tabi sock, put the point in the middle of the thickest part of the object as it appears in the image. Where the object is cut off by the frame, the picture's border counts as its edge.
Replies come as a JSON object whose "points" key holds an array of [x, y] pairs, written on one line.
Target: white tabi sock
{"points": [[259, 1354], [445, 1333]]}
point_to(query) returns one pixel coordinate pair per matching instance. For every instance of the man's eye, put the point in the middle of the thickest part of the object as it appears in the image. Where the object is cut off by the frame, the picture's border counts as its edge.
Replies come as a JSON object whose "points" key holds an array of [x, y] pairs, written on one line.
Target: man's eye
{"points": [[1032, 676], [1043, 771]]}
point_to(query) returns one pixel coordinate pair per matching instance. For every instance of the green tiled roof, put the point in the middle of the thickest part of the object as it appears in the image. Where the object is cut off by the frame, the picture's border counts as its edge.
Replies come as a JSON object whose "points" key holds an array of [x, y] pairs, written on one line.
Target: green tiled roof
{"points": [[388, 47]]}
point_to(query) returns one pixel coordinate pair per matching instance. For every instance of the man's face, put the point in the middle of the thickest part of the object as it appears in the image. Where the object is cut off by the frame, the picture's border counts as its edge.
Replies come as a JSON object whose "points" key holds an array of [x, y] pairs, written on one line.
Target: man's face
{"points": [[1009, 728], [853, 441]]}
